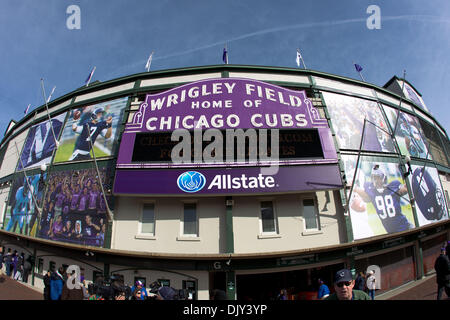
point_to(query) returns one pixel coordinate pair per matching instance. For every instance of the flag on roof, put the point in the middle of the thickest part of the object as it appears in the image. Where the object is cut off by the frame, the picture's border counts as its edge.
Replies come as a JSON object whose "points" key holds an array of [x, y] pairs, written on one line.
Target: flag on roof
{"points": [[149, 62], [90, 76], [225, 55], [26, 110], [358, 67]]}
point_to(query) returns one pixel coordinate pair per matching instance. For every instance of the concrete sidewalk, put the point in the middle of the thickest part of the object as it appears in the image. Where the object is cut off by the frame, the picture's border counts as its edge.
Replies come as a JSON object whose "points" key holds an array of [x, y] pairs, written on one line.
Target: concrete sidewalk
{"points": [[11, 289], [423, 289]]}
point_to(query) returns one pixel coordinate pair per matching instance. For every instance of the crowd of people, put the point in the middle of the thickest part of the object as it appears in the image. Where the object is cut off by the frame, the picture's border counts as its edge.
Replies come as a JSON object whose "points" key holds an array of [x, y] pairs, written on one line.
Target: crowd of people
{"points": [[74, 209], [62, 285], [15, 265]]}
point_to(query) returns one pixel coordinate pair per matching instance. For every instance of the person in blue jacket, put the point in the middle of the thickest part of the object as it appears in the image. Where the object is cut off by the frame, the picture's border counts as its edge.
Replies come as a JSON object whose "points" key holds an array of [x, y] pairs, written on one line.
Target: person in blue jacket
{"points": [[139, 286], [56, 284], [324, 291]]}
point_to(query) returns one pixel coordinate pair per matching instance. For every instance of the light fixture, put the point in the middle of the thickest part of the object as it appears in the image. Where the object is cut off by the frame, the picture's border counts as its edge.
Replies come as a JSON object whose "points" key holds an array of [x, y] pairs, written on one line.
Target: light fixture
{"points": [[229, 261], [43, 167]]}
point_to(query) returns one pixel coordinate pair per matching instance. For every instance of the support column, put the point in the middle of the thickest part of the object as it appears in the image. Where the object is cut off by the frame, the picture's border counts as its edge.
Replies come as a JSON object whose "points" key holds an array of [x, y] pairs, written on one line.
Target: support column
{"points": [[106, 270], [108, 235], [231, 285], [419, 259], [33, 266], [229, 225]]}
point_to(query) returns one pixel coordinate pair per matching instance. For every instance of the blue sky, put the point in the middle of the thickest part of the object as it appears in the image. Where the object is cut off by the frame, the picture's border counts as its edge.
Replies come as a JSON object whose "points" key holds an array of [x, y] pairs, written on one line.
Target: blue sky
{"points": [[117, 36]]}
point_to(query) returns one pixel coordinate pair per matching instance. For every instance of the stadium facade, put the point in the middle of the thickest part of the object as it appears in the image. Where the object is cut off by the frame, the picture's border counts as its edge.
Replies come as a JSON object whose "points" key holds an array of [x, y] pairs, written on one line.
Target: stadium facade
{"points": [[327, 172]]}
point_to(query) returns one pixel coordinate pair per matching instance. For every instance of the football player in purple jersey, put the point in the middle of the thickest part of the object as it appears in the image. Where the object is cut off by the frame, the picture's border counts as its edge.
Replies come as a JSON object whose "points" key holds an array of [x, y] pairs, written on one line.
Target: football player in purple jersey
{"points": [[386, 199]]}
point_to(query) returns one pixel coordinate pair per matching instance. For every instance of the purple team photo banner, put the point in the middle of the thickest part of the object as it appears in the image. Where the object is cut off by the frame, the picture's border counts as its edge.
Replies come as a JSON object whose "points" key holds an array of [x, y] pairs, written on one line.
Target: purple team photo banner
{"points": [[224, 103]]}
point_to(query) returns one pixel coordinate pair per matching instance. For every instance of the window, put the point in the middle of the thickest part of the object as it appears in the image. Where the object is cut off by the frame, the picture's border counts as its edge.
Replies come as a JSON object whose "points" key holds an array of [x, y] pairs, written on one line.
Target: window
{"points": [[148, 219], [191, 287], [52, 266], [40, 266], [310, 215], [268, 221], [164, 282], [190, 226]]}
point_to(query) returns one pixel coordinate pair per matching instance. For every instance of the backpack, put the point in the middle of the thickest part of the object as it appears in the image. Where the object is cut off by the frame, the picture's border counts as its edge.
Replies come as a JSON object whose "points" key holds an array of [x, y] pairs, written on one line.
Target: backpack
{"points": [[168, 293]]}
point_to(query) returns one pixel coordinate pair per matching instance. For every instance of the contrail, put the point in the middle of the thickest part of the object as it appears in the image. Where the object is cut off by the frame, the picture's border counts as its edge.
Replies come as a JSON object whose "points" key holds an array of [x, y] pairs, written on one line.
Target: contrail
{"points": [[421, 18]]}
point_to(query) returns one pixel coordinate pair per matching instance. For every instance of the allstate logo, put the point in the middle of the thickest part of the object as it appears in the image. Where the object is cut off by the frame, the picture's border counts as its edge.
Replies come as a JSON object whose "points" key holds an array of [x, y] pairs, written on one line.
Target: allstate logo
{"points": [[191, 181]]}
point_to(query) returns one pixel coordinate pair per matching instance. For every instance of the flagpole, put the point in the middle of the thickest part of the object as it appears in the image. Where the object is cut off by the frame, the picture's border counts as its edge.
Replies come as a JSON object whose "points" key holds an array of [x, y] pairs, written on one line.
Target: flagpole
{"points": [[356, 167], [108, 210], [359, 72], [48, 114], [29, 187], [362, 78], [301, 58]]}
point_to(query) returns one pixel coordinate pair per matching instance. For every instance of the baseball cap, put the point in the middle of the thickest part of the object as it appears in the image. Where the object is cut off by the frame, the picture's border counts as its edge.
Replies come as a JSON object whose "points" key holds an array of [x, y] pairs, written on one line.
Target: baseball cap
{"points": [[343, 275], [139, 283]]}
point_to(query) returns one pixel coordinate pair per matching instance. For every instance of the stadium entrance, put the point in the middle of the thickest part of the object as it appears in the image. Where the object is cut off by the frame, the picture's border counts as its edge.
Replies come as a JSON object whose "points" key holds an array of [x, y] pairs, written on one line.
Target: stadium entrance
{"points": [[300, 284]]}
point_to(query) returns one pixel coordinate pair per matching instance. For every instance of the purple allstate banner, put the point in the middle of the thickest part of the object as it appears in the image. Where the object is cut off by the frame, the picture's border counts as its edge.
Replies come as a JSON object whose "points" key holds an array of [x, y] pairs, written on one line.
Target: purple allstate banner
{"points": [[249, 180]]}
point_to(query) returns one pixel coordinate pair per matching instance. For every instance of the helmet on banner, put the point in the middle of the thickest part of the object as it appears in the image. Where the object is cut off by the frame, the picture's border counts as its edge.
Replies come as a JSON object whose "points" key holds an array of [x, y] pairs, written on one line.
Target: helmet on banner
{"points": [[428, 195], [94, 114], [378, 176]]}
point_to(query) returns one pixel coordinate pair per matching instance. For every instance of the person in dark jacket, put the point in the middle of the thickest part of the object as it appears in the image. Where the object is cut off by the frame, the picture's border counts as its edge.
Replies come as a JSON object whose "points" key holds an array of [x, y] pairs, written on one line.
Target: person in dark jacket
{"points": [[447, 249], [72, 293], [56, 284], [27, 266], [47, 277], [1, 258], [18, 275], [360, 281], [442, 267], [15, 257], [8, 262]]}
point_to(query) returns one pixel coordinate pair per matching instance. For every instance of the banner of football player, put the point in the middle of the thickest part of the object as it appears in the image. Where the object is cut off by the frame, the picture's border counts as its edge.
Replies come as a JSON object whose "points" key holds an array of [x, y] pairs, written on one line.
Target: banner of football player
{"points": [[99, 123], [74, 209], [40, 142], [412, 95], [380, 203], [21, 214], [428, 194], [408, 133], [348, 114]]}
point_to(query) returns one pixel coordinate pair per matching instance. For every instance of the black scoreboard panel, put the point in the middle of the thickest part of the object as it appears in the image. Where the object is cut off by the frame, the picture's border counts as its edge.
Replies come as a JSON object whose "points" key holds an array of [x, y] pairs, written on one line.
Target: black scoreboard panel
{"points": [[293, 144]]}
